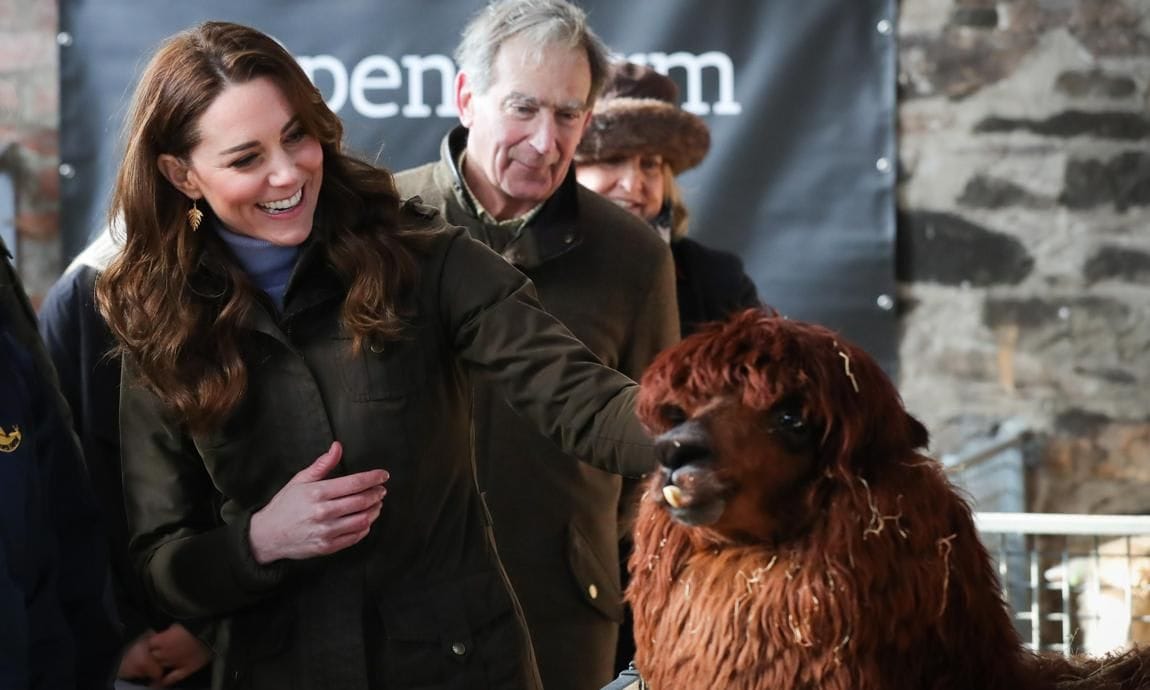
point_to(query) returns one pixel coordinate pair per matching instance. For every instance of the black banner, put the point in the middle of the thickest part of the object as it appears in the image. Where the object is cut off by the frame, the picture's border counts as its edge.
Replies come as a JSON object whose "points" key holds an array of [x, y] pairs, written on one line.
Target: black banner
{"points": [[800, 98]]}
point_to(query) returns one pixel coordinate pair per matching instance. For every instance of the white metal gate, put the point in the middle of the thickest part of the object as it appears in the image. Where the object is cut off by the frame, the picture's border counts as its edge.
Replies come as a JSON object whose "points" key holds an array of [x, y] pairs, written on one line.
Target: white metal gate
{"points": [[1076, 583]]}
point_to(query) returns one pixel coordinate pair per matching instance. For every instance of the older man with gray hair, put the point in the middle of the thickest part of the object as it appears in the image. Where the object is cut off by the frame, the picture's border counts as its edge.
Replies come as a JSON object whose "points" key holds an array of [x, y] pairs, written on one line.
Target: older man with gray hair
{"points": [[529, 73]]}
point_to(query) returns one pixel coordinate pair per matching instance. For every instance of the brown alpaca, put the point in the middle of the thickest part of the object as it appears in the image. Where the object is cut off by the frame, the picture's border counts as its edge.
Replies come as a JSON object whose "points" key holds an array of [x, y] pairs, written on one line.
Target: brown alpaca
{"points": [[794, 538]]}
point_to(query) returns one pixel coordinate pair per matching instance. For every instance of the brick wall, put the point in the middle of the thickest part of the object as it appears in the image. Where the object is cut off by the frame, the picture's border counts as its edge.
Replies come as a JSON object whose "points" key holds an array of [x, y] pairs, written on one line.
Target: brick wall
{"points": [[29, 117], [1024, 251]]}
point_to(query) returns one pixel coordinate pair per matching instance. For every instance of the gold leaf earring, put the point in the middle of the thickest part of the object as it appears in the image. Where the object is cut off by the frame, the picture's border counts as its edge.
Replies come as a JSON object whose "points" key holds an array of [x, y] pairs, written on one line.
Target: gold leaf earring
{"points": [[195, 216]]}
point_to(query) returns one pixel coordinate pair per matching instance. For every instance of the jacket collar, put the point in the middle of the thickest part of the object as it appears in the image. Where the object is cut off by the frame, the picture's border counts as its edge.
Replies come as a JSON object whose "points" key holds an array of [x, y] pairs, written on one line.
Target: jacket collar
{"points": [[312, 283], [553, 231]]}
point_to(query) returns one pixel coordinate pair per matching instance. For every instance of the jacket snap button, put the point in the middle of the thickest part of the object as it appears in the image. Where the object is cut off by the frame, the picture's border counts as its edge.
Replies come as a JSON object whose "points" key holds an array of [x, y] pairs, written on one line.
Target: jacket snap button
{"points": [[593, 591], [458, 649], [568, 239], [376, 347]]}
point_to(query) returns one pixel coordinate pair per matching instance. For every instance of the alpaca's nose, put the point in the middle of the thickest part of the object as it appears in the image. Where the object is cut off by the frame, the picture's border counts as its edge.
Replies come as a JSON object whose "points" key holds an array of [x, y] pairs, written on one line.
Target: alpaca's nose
{"points": [[682, 445]]}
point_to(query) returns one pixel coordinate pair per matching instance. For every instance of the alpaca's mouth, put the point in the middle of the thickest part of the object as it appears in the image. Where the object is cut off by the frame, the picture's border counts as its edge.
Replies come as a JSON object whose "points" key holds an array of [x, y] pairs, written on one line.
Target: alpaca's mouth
{"points": [[687, 483], [692, 494]]}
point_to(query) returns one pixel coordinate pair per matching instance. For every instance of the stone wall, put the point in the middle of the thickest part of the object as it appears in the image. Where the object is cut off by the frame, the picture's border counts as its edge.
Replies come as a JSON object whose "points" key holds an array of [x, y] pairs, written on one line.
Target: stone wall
{"points": [[1024, 239], [29, 119], [1024, 249]]}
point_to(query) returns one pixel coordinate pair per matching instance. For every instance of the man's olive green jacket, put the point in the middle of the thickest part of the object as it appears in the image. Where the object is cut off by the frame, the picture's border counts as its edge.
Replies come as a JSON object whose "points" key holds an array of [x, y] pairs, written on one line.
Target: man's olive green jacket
{"points": [[610, 279]]}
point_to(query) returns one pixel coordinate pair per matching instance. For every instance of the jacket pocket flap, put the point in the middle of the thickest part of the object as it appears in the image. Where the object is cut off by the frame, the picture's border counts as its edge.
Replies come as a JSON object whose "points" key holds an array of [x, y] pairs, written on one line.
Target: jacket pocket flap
{"points": [[448, 611], [598, 585]]}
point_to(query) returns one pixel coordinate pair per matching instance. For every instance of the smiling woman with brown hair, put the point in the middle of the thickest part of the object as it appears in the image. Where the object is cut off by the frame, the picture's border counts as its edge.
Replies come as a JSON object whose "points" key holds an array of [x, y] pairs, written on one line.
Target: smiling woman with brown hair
{"points": [[174, 293], [282, 349]]}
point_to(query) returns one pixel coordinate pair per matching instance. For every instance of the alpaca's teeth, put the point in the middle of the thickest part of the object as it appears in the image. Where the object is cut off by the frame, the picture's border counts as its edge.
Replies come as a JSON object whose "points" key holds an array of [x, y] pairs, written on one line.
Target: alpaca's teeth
{"points": [[674, 495]]}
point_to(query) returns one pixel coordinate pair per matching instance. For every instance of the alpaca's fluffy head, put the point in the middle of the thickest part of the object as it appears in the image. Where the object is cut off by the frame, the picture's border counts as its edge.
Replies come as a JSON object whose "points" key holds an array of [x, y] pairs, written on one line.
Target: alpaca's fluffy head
{"points": [[793, 536], [750, 413]]}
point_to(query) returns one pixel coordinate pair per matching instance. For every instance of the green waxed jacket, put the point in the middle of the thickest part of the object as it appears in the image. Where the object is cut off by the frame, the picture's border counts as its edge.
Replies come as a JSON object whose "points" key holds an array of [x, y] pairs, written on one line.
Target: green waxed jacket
{"points": [[422, 602], [611, 280]]}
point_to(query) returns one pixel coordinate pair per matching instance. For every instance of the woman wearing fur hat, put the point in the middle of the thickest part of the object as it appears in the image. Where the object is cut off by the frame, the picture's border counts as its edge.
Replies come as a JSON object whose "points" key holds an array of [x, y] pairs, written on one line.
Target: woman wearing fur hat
{"points": [[638, 140]]}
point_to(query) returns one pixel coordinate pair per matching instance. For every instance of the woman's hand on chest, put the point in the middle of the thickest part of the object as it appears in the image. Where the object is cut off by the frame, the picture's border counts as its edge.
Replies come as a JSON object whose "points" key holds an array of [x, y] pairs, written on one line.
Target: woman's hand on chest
{"points": [[313, 516]]}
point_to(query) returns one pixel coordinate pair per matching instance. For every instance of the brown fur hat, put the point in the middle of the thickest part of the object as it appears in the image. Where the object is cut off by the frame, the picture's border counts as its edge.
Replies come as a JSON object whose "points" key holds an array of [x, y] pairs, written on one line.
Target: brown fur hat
{"points": [[638, 112]]}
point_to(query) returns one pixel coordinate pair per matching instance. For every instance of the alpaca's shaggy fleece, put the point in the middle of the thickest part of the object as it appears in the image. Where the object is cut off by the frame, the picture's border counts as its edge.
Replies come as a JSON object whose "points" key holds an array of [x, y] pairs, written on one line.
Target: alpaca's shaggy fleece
{"points": [[810, 545]]}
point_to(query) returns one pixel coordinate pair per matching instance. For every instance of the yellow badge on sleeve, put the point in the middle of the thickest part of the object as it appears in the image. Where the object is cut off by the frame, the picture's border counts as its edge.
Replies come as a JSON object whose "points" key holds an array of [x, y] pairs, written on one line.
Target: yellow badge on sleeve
{"points": [[10, 441]]}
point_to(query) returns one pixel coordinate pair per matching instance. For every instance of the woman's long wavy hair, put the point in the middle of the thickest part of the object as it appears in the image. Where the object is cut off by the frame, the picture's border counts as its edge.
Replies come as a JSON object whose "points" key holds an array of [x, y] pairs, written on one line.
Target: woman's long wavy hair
{"points": [[174, 298]]}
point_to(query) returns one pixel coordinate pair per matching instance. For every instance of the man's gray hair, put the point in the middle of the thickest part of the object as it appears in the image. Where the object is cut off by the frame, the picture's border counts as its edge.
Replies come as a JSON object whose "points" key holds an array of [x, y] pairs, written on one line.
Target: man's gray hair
{"points": [[545, 24]]}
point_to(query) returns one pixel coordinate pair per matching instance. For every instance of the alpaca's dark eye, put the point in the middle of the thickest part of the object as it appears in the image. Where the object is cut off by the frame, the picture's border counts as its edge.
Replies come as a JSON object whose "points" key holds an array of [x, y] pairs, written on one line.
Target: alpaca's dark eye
{"points": [[672, 415], [787, 419], [790, 420]]}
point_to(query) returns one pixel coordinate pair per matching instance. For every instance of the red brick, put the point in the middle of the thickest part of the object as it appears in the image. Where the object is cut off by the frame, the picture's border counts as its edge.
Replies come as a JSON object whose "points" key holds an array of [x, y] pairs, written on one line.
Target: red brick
{"points": [[43, 16], [42, 103], [21, 50], [42, 141], [24, 14], [45, 225], [48, 182], [9, 97], [34, 199], [12, 13]]}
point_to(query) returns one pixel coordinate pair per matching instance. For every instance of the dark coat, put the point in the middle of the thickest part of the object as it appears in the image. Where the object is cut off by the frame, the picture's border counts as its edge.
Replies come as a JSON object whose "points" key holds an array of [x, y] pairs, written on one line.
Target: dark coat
{"points": [[37, 649], [609, 279], [710, 284], [422, 602], [80, 345], [57, 630]]}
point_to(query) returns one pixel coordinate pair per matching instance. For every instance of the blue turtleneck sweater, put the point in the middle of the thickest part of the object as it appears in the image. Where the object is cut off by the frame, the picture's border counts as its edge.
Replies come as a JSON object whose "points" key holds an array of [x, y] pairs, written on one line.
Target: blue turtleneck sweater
{"points": [[268, 265]]}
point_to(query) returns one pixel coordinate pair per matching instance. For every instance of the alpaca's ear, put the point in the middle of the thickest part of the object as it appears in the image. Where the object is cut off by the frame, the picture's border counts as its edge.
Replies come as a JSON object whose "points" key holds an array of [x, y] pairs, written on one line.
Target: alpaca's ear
{"points": [[919, 436], [863, 404]]}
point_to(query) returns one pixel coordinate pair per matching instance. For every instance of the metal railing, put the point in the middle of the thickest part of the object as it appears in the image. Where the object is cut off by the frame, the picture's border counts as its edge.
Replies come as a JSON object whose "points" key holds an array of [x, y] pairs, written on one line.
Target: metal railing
{"points": [[1076, 583]]}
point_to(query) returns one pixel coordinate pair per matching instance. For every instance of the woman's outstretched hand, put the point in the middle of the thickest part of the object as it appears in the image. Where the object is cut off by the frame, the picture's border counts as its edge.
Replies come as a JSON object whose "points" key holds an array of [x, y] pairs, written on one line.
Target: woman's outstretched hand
{"points": [[312, 516]]}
